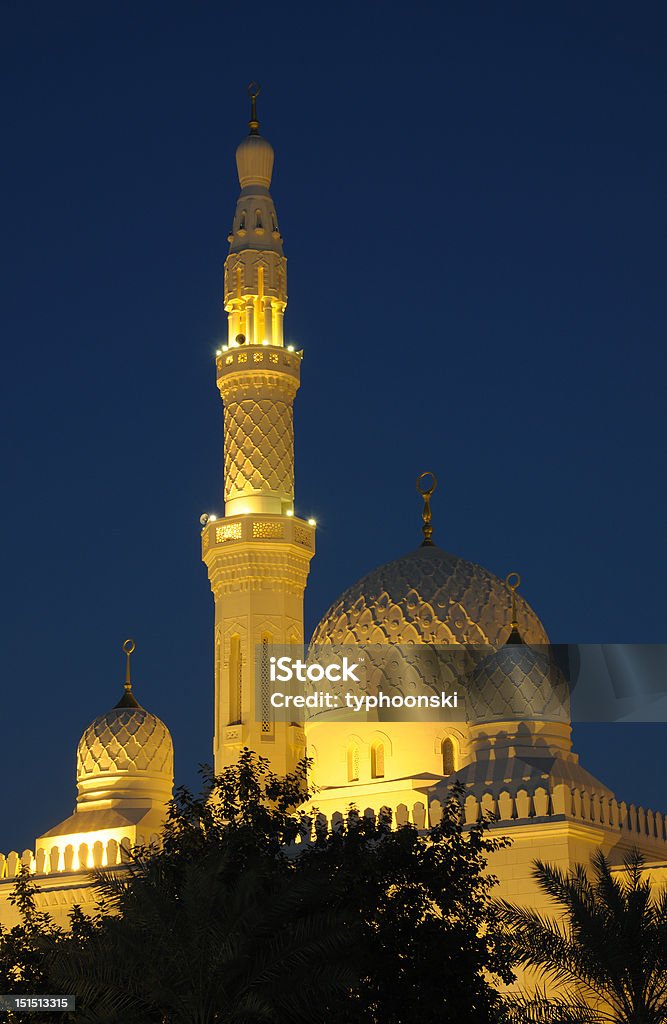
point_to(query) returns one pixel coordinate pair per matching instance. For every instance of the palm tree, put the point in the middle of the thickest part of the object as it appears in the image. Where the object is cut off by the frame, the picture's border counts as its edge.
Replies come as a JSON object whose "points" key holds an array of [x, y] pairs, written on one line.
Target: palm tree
{"points": [[605, 953]]}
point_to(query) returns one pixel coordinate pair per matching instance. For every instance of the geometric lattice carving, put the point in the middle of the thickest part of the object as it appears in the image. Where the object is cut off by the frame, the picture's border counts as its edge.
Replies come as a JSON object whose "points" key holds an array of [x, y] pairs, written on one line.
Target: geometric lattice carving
{"points": [[265, 685], [427, 596], [125, 739], [301, 536], [267, 530], [259, 447], [229, 531]]}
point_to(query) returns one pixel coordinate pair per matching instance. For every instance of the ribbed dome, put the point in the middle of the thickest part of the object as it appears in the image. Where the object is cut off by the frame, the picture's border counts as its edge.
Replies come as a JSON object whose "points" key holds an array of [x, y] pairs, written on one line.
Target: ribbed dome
{"points": [[517, 683], [128, 740], [427, 596], [254, 161]]}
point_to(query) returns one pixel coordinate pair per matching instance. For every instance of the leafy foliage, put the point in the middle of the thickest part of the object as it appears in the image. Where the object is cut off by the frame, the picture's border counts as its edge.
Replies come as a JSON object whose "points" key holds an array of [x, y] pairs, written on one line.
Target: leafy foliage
{"points": [[23, 960], [217, 926], [606, 952], [422, 904], [239, 918]]}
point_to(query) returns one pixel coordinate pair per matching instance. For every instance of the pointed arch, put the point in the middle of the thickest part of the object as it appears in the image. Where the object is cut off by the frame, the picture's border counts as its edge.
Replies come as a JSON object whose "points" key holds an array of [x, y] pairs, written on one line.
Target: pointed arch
{"points": [[265, 687], [448, 756], [352, 761], [218, 669], [377, 760], [235, 680]]}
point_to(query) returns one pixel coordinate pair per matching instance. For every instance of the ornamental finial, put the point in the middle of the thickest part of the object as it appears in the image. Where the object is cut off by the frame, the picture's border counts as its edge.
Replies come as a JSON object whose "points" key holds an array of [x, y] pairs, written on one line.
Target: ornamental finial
{"points": [[253, 93], [128, 700], [513, 582], [426, 489], [129, 647]]}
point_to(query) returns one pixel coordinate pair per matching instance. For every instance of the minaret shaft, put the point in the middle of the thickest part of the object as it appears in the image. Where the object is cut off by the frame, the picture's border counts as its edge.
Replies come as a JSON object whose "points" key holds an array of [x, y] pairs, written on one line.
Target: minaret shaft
{"points": [[258, 555], [258, 385]]}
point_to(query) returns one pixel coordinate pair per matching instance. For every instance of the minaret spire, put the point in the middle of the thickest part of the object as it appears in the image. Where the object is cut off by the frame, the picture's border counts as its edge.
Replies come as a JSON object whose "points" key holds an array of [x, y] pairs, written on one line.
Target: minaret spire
{"points": [[256, 268]]}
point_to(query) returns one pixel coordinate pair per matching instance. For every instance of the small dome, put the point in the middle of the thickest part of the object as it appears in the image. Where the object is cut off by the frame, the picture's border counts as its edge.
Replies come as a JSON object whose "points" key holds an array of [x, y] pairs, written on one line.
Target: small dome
{"points": [[128, 740], [254, 161], [517, 683], [427, 596]]}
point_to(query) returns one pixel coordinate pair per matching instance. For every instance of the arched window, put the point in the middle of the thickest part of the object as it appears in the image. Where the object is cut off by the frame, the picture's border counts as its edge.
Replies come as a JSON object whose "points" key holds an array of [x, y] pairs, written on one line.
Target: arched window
{"points": [[235, 693], [353, 763], [241, 226], [377, 761], [448, 764], [258, 220]]}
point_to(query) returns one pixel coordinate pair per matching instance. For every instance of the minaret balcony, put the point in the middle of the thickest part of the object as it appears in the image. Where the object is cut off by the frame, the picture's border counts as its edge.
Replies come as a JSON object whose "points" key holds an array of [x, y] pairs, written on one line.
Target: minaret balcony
{"points": [[268, 359], [239, 531], [258, 552]]}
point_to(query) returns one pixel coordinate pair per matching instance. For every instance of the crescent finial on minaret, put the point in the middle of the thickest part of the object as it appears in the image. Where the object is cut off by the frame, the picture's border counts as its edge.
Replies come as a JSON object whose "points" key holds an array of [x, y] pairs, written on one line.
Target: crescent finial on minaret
{"points": [[253, 93]]}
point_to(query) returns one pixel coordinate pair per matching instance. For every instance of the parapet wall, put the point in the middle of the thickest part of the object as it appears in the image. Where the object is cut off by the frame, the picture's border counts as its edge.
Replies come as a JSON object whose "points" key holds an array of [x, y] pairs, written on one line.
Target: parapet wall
{"points": [[541, 804], [562, 802]]}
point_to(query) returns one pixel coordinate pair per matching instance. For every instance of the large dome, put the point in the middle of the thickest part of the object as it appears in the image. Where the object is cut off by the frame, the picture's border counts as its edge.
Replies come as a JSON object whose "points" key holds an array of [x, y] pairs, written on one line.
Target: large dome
{"points": [[427, 596]]}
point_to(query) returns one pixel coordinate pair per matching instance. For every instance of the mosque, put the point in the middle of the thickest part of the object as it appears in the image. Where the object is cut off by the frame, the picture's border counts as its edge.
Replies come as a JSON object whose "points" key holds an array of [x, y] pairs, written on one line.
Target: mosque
{"points": [[511, 750]]}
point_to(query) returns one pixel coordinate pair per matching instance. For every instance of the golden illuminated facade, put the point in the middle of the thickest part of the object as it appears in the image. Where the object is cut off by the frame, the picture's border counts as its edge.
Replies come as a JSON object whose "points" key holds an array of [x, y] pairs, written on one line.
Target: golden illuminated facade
{"points": [[517, 764]]}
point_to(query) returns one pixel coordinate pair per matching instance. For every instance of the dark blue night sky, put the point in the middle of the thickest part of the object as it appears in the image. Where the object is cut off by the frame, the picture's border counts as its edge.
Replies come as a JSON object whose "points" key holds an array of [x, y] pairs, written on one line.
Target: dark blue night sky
{"points": [[474, 208]]}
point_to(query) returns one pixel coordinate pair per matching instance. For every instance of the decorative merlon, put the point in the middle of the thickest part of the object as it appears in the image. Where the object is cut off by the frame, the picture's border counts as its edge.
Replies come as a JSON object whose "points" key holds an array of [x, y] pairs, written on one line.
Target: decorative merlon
{"points": [[83, 858]]}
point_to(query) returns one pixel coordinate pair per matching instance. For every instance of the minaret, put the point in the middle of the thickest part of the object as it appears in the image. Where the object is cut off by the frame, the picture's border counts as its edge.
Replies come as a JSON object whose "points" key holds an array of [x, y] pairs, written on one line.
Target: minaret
{"points": [[259, 554]]}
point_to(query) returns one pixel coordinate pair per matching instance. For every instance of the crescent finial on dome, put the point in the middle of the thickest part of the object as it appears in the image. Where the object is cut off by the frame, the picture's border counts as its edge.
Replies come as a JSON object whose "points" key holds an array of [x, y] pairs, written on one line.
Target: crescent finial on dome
{"points": [[426, 490], [128, 700], [513, 582]]}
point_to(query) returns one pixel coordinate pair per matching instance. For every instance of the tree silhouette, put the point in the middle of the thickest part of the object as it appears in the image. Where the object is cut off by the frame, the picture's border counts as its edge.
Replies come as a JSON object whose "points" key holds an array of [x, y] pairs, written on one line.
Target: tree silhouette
{"points": [[248, 914]]}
